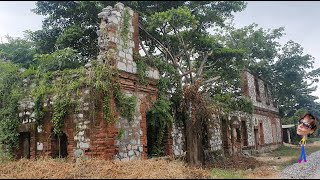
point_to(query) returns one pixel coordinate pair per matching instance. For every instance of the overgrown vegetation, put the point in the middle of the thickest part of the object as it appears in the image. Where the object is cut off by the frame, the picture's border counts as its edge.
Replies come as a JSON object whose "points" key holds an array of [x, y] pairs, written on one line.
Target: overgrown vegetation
{"points": [[200, 69], [125, 27], [10, 94], [60, 83]]}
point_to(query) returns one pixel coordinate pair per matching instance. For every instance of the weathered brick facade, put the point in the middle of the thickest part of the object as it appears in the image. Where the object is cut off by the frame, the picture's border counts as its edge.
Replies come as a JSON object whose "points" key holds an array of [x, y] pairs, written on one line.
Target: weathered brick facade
{"points": [[84, 135], [242, 132], [94, 137]]}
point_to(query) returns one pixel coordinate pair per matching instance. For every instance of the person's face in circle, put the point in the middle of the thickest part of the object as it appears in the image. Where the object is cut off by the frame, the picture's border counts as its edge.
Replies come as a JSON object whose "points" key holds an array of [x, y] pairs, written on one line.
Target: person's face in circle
{"points": [[304, 127]]}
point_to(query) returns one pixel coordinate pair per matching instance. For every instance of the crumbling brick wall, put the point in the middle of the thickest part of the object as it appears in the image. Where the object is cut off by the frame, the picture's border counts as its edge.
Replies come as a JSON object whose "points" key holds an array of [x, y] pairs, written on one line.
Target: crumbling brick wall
{"points": [[92, 136], [89, 134]]}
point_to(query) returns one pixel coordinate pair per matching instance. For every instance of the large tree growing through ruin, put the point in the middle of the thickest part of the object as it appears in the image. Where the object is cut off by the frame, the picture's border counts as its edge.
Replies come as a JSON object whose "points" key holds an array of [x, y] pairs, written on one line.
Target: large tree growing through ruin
{"points": [[174, 32], [180, 37]]}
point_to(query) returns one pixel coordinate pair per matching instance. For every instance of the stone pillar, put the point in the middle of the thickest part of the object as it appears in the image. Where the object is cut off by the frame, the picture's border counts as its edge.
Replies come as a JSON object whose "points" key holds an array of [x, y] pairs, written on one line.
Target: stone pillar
{"points": [[118, 40]]}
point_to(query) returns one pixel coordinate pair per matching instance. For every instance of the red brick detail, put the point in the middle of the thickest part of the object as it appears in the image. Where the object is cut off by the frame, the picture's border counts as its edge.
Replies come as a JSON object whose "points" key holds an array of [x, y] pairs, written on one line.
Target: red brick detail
{"points": [[135, 35], [245, 86], [169, 143]]}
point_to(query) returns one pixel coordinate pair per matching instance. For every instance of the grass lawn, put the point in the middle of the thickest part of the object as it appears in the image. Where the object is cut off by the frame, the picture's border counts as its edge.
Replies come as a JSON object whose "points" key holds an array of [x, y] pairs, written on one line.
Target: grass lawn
{"points": [[293, 151]]}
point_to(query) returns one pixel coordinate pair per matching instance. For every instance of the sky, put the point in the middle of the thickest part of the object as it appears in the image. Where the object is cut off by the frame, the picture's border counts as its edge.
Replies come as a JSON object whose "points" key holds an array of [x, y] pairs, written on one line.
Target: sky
{"points": [[299, 18]]}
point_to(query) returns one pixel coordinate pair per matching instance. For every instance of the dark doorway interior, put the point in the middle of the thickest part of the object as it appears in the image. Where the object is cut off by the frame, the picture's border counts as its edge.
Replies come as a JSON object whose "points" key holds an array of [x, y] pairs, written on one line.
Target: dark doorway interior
{"points": [[224, 127], [59, 146], [24, 142]]}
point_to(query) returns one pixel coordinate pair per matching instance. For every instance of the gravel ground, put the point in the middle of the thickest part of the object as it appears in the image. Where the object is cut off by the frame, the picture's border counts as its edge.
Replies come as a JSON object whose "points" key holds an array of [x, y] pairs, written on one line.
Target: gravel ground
{"points": [[304, 170]]}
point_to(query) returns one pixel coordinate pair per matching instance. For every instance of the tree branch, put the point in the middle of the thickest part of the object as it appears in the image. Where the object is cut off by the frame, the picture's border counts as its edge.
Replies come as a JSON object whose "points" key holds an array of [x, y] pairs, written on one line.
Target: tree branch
{"points": [[200, 70], [144, 49], [210, 80], [163, 47]]}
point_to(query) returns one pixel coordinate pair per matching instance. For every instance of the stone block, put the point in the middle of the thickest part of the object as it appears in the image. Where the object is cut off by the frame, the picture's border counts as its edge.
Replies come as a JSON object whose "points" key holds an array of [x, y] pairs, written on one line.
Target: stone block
{"points": [[78, 153], [84, 145], [129, 57], [131, 44], [122, 54], [119, 6], [107, 9], [129, 147], [121, 66], [39, 146], [156, 74], [39, 128], [125, 159], [132, 158], [130, 153], [130, 12], [80, 115], [129, 68], [134, 70], [133, 142]]}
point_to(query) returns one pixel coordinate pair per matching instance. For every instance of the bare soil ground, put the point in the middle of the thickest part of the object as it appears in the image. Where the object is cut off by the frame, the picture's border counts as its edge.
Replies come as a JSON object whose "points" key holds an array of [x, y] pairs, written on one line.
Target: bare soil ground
{"points": [[272, 166]]}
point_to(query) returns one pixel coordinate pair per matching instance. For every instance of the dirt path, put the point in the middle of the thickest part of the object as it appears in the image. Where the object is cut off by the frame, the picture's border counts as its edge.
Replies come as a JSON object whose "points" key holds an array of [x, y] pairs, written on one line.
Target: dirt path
{"points": [[276, 166]]}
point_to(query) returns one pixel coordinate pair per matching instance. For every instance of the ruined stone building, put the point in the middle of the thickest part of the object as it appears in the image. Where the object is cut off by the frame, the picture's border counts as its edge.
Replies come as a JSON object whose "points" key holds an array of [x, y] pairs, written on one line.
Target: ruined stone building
{"points": [[241, 132], [82, 137], [260, 131]]}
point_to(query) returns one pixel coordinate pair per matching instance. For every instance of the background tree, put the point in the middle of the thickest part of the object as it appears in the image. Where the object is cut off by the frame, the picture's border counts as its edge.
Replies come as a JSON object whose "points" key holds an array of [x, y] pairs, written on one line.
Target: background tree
{"points": [[17, 50], [287, 67]]}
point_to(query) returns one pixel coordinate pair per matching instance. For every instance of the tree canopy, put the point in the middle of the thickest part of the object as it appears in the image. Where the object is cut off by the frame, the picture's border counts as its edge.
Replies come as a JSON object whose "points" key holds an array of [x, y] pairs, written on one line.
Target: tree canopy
{"points": [[199, 55]]}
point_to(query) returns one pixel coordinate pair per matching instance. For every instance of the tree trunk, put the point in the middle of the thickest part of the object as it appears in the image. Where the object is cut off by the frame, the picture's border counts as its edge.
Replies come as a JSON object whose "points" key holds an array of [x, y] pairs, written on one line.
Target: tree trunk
{"points": [[59, 146], [193, 140]]}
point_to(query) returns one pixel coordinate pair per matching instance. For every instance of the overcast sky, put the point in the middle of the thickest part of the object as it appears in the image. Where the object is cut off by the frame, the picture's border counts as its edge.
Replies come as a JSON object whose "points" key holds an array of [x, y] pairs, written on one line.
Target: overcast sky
{"points": [[299, 18]]}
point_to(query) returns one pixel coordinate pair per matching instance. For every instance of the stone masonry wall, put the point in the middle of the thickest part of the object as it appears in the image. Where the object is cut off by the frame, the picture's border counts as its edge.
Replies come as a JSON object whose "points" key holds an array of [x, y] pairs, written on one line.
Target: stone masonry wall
{"points": [[264, 113], [117, 48], [214, 134], [88, 134], [252, 93], [178, 137]]}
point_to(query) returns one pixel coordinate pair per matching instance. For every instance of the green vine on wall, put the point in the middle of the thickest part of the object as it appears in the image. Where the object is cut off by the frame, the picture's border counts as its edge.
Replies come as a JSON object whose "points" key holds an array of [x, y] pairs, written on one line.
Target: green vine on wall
{"points": [[125, 27], [125, 104], [141, 68], [38, 109], [59, 113], [106, 81], [159, 119]]}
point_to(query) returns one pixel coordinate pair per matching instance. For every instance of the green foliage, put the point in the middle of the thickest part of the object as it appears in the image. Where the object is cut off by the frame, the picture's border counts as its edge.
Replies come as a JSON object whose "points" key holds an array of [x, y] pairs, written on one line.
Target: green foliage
{"points": [[121, 133], [4, 156], [10, 84], [59, 113], [125, 104], [291, 87], [17, 50], [159, 119], [104, 80], [229, 102], [59, 60], [107, 114], [141, 68], [176, 36], [172, 19], [227, 174], [38, 109], [125, 27]]}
